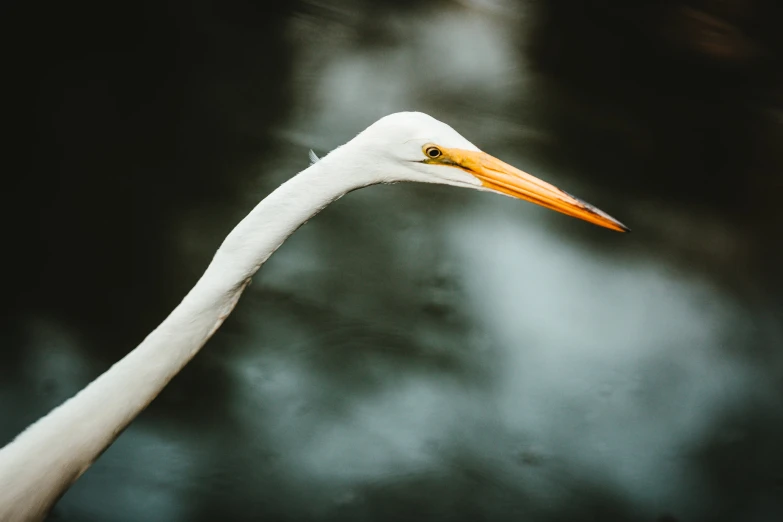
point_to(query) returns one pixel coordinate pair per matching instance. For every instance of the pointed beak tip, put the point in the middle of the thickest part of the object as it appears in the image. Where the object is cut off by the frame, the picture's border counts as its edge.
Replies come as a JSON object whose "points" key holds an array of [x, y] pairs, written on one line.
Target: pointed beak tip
{"points": [[622, 228]]}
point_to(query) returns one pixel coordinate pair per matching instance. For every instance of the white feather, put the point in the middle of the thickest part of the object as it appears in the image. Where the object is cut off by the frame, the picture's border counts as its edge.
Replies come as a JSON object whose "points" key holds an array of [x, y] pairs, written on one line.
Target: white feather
{"points": [[39, 465]]}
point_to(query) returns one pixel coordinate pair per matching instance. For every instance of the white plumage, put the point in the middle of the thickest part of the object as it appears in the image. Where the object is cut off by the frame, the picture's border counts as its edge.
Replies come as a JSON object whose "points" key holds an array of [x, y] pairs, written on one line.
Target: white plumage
{"points": [[44, 460]]}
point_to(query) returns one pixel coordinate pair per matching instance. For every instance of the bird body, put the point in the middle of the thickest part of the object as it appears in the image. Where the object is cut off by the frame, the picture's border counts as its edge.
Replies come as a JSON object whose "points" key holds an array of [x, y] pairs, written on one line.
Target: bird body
{"points": [[39, 465]]}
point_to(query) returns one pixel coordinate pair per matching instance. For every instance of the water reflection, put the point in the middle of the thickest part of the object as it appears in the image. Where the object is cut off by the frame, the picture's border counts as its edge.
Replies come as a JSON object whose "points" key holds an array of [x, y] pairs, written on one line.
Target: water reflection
{"points": [[420, 351]]}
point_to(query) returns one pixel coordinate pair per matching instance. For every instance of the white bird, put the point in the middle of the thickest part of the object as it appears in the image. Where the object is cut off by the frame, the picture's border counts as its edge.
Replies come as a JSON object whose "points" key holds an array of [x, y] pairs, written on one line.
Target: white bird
{"points": [[43, 461]]}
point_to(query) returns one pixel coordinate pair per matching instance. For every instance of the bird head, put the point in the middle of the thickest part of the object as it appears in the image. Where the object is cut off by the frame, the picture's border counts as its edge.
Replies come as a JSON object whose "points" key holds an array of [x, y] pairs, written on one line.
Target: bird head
{"points": [[412, 146]]}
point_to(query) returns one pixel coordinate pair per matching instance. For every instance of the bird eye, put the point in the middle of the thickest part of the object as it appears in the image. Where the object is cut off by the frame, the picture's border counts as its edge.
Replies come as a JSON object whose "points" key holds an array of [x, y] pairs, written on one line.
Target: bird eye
{"points": [[433, 152]]}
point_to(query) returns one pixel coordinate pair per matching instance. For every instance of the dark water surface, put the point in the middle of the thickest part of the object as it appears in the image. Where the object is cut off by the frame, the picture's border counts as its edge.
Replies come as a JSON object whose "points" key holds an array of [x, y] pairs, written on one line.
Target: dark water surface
{"points": [[415, 352]]}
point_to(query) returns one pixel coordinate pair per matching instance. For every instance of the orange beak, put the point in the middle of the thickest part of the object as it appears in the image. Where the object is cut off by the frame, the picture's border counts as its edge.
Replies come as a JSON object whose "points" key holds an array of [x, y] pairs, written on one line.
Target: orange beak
{"points": [[502, 177]]}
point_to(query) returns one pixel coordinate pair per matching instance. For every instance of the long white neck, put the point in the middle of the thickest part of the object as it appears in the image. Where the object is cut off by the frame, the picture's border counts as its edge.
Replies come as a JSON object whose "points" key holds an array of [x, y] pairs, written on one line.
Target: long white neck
{"points": [[44, 460]]}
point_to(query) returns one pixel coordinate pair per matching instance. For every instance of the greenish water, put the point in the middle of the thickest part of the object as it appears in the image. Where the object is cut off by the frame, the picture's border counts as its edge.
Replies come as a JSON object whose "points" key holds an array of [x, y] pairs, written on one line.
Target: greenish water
{"points": [[414, 352]]}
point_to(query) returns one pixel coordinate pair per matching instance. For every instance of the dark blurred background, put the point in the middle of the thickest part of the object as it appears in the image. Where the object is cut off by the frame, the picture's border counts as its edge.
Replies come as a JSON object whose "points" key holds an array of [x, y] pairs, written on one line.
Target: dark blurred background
{"points": [[414, 352]]}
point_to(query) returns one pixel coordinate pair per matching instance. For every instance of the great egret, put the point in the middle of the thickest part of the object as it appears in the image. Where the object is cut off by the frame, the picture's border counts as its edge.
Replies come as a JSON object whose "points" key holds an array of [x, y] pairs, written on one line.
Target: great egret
{"points": [[44, 460]]}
